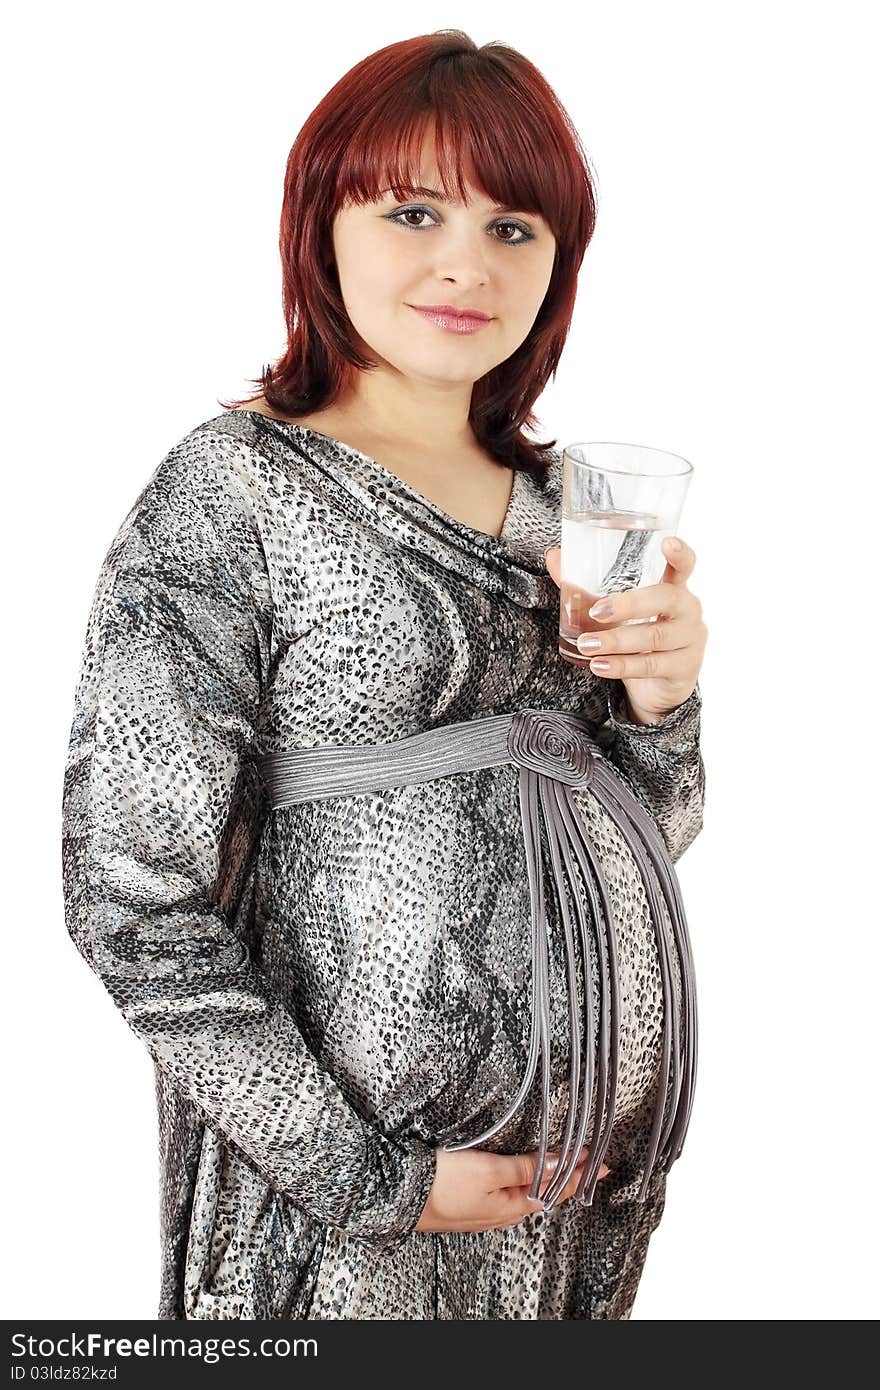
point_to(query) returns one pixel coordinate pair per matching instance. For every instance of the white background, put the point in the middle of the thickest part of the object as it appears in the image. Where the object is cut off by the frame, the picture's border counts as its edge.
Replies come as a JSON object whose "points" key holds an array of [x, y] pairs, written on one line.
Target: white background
{"points": [[727, 311]]}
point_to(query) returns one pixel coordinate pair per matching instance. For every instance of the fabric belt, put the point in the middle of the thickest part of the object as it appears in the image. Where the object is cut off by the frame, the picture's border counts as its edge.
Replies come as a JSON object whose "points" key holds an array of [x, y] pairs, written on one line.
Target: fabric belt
{"points": [[555, 753]]}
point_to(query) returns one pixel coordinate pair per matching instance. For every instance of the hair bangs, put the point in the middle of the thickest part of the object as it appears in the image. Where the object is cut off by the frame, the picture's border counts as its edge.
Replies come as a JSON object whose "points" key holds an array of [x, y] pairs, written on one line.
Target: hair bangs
{"points": [[502, 160]]}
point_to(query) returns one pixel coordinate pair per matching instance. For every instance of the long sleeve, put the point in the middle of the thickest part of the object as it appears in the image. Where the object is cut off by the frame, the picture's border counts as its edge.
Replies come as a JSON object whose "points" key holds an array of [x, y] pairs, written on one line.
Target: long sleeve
{"points": [[662, 762], [173, 675]]}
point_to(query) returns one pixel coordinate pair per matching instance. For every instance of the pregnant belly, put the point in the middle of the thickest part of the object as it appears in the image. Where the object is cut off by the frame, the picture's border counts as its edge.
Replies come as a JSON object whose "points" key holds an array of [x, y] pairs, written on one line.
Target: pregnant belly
{"points": [[441, 1050]]}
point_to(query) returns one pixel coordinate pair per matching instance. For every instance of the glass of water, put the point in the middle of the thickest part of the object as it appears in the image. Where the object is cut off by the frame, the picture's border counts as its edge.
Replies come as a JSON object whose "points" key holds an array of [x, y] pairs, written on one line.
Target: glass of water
{"points": [[619, 503]]}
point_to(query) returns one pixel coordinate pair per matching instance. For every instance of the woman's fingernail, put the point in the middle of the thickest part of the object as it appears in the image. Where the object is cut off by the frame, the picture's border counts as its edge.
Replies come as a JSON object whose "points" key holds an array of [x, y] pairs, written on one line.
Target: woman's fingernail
{"points": [[674, 543], [602, 609]]}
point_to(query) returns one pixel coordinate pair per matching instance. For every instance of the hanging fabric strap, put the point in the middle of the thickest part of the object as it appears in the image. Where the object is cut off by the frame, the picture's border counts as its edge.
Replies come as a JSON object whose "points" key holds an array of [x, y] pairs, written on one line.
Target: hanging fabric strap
{"points": [[555, 753]]}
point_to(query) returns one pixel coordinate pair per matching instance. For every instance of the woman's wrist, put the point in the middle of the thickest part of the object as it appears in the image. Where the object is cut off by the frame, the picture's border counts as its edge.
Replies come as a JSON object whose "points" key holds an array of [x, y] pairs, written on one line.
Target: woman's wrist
{"points": [[637, 716]]}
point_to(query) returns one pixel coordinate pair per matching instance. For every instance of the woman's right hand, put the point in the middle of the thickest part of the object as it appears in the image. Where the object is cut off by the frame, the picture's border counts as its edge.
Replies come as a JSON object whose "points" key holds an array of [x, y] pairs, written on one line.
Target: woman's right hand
{"points": [[474, 1190]]}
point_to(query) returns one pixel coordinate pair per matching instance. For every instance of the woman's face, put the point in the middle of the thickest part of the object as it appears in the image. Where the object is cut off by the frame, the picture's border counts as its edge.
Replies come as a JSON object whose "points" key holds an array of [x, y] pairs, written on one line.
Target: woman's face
{"points": [[434, 253]]}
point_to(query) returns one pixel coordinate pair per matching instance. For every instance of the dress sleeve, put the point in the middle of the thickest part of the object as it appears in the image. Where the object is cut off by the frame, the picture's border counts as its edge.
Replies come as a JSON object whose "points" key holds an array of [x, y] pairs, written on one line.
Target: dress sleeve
{"points": [[662, 763], [172, 679]]}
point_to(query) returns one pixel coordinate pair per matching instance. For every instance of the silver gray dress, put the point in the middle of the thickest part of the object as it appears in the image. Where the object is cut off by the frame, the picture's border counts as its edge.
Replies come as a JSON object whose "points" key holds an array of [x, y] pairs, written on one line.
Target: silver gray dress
{"points": [[327, 989]]}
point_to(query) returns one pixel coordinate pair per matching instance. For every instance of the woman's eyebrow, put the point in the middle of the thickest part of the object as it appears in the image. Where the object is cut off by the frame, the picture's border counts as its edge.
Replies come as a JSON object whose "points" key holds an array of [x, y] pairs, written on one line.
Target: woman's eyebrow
{"points": [[452, 202]]}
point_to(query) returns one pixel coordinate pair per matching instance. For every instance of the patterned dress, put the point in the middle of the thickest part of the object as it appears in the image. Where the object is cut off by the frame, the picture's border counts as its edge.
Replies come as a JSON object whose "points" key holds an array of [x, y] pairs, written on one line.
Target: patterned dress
{"points": [[330, 990]]}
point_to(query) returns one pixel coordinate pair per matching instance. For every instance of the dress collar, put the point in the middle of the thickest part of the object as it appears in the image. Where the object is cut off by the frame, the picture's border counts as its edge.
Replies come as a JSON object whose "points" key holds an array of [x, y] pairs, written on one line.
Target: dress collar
{"points": [[512, 563]]}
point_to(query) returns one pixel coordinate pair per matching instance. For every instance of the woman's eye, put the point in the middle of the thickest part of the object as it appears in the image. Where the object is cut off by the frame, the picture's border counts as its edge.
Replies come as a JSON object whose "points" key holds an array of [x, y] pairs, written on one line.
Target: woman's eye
{"points": [[525, 234]]}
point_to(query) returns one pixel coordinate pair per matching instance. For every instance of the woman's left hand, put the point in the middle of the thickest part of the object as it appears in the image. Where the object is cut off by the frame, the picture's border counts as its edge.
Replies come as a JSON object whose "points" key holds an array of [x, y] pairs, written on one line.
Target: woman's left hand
{"points": [[658, 662]]}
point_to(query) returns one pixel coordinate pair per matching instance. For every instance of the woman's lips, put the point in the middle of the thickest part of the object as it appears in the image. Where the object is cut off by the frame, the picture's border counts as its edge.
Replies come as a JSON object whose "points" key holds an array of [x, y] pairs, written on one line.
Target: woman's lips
{"points": [[451, 322]]}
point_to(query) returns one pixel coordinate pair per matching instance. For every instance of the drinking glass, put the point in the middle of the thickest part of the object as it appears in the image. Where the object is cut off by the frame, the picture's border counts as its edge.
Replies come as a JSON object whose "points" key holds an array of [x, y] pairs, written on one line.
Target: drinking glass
{"points": [[619, 503]]}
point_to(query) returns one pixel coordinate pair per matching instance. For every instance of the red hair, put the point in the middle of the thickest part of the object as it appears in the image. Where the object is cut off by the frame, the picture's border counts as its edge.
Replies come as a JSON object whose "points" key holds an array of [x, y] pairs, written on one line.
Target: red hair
{"points": [[490, 110]]}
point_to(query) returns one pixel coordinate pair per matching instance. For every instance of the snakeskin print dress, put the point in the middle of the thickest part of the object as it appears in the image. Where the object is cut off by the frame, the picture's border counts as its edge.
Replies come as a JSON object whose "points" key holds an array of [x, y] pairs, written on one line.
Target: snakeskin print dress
{"points": [[329, 991]]}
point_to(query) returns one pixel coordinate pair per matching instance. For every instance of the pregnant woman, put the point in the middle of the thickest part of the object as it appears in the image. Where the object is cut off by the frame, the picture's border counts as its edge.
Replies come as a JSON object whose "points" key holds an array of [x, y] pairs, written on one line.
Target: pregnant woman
{"points": [[382, 883]]}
